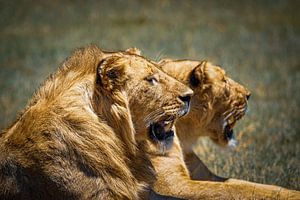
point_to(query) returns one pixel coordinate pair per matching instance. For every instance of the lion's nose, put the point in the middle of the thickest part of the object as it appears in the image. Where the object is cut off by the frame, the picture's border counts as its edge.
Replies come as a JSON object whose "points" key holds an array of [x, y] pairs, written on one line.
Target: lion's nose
{"points": [[186, 97], [248, 95]]}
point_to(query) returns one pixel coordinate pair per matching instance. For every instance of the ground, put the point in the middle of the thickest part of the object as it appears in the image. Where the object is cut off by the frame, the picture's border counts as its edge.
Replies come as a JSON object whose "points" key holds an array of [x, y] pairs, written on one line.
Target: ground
{"points": [[257, 42]]}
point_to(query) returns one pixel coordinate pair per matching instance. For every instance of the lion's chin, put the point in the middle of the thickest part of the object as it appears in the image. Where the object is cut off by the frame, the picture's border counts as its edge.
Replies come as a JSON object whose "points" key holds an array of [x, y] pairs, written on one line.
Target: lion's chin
{"points": [[232, 144], [163, 146]]}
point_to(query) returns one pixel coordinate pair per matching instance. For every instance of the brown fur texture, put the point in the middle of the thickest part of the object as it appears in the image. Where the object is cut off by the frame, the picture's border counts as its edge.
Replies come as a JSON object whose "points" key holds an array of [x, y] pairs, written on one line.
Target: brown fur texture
{"points": [[218, 102], [76, 138]]}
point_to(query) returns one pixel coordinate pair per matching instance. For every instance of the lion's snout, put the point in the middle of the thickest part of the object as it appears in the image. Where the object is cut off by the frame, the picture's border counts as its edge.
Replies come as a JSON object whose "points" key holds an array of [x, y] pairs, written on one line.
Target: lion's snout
{"points": [[248, 96], [186, 99]]}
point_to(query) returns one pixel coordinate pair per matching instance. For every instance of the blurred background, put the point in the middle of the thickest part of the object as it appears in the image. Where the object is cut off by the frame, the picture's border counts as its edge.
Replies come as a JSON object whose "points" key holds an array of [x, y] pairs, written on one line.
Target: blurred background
{"points": [[256, 42]]}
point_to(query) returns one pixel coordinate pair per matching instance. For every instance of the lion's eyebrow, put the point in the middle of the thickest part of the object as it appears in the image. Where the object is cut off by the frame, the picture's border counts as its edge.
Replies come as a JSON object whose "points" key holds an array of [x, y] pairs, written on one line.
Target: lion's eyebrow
{"points": [[153, 76]]}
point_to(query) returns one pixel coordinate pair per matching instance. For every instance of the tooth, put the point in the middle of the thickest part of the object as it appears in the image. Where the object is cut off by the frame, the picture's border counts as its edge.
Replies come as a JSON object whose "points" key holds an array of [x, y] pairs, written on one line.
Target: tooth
{"points": [[166, 129], [224, 124], [168, 126], [152, 130]]}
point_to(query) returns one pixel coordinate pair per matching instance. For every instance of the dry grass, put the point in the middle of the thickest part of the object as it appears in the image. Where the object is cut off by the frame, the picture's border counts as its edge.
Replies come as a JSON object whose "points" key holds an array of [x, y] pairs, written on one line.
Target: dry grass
{"points": [[256, 42]]}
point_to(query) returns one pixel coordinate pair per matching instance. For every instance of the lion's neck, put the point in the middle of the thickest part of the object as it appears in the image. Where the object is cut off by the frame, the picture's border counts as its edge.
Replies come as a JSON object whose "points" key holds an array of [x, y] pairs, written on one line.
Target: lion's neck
{"points": [[188, 131], [115, 111]]}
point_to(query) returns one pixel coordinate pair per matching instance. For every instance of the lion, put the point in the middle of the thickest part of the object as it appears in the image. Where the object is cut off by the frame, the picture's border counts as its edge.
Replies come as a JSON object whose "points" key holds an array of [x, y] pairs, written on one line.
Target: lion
{"points": [[218, 103], [77, 137]]}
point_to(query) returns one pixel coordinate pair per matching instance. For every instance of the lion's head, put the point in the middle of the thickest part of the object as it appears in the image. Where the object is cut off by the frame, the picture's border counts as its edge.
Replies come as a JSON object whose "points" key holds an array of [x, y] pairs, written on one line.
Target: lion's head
{"points": [[155, 99], [217, 104]]}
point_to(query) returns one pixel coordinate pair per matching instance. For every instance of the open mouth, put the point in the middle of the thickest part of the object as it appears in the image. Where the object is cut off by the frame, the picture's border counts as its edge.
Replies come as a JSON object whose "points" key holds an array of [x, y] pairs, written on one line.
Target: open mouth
{"points": [[161, 130], [228, 124], [228, 128], [228, 132]]}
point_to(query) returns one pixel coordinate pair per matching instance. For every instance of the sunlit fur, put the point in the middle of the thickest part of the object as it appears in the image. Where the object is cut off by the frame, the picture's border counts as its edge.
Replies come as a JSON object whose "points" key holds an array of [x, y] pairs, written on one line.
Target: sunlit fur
{"points": [[76, 137], [218, 100], [180, 173]]}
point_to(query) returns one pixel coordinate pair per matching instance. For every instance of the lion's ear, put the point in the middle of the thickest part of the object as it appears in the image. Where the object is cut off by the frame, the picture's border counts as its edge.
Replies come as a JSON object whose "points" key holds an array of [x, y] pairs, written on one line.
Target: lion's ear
{"points": [[134, 50], [100, 72], [111, 72], [197, 75]]}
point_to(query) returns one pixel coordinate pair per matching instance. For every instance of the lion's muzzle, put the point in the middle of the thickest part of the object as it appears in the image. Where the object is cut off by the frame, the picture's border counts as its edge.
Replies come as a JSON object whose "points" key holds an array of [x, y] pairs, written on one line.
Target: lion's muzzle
{"points": [[186, 99]]}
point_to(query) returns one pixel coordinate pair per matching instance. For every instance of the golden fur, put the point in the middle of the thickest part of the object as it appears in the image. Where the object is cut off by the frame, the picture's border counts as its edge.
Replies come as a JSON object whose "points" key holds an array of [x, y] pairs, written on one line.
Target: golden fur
{"points": [[218, 102], [76, 137]]}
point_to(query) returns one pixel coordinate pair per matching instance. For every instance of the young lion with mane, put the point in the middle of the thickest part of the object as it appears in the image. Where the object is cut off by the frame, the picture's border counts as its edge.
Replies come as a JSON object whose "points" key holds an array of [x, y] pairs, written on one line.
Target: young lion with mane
{"points": [[75, 139]]}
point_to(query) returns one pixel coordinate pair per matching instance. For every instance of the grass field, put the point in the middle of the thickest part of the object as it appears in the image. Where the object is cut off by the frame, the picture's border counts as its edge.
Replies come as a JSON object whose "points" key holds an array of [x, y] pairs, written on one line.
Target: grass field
{"points": [[257, 42]]}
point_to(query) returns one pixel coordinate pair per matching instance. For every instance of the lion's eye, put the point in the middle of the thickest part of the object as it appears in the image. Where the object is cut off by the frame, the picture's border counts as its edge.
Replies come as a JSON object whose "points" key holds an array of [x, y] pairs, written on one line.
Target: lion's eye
{"points": [[152, 80]]}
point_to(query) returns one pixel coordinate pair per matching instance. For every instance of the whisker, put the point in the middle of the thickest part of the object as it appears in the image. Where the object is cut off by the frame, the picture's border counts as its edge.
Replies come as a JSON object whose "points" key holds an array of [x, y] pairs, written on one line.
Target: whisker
{"points": [[172, 113], [170, 107], [154, 113], [228, 113], [153, 116], [241, 112], [159, 55]]}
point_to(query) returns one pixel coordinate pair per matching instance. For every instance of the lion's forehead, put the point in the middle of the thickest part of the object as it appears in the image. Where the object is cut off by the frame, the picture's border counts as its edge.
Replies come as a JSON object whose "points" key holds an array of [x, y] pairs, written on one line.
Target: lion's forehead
{"points": [[140, 65], [239, 88]]}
